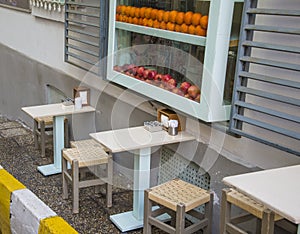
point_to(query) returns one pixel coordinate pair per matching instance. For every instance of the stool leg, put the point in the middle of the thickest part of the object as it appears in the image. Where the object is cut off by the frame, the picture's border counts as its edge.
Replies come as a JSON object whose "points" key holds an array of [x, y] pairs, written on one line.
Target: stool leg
{"points": [[208, 214], [109, 182], [43, 136], [66, 130], [267, 226], [35, 134], [64, 180], [147, 212], [225, 211], [180, 218], [75, 186]]}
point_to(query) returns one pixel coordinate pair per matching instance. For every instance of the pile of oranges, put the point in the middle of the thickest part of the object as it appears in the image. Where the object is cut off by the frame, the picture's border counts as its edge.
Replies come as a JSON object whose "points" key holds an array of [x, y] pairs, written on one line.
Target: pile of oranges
{"points": [[184, 22]]}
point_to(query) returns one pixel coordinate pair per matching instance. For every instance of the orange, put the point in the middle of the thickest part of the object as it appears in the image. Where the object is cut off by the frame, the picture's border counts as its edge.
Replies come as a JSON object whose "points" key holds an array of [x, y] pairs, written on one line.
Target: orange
{"points": [[204, 21], [200, 31], [145, 22], [156, 24], [166, 16], [137, 12], [150, 23], [141, 21], [162, 25], [177, 28], [188, 17], [117, 17], [153, 14], [170, 26], [172, 16], [118, 9], [196, 19], [127, 10], [129, 20], [132, 11], [148, 12], [184, 28], [180, 18], [123, 9], [160, 14], [142, 12], [124, 18], [135, 20], [191, 29]]}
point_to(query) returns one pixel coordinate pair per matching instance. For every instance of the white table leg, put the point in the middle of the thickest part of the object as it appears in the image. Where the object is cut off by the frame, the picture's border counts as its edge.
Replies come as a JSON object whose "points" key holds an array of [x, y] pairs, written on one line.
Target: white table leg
{"points": [[58, 144], [134, 219]]}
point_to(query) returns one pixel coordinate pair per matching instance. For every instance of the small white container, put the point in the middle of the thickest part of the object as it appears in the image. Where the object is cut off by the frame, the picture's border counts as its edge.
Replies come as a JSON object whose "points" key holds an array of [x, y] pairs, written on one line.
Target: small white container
{"points": [[78, 103]]}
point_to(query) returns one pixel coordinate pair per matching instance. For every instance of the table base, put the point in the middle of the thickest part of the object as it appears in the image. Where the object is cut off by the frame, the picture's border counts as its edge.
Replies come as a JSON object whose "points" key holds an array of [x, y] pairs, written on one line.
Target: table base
{"points": [[127, 222], [49, 169]]}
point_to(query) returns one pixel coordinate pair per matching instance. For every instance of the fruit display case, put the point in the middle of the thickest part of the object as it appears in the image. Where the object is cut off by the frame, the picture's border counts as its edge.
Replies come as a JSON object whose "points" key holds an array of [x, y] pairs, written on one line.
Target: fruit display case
{"points": [[179, 53]]}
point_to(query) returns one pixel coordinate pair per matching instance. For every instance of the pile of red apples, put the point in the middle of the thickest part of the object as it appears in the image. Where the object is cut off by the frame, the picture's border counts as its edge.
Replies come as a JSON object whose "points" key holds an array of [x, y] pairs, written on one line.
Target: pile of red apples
{"points": [[164, 81]]}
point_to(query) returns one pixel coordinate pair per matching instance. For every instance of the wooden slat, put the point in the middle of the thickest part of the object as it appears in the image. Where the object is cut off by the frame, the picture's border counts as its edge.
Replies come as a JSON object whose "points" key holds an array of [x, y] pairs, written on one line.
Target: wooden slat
{"points": [[80, 58], [83, 23], [82, 13], [269, 46], [268, 126], [273, 29], [280, 12], [82, 41], [82, 50], [269, 79], [271, 96], [82, 32], [268, 111], [70, 3], [271, 63]]}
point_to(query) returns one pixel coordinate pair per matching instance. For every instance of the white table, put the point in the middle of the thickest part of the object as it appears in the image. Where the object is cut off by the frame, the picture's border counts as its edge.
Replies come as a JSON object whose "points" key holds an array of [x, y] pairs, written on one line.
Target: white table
{"points": [[278, 189], [140, 140], [58, 112]]}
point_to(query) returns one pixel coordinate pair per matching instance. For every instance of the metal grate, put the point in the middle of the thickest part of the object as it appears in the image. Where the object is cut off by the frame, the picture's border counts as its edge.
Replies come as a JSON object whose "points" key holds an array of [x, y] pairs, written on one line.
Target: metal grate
{"points": [[86, 34], [173, 165], [266, 102]]}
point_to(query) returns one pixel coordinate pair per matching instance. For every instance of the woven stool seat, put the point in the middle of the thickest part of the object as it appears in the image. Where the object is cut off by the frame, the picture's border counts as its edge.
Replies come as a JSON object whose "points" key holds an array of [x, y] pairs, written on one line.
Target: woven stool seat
{"points": [[179, 192], [83, 144], [253, 209], [86, 156], [48, 120], [180, 198], [90, 158]]}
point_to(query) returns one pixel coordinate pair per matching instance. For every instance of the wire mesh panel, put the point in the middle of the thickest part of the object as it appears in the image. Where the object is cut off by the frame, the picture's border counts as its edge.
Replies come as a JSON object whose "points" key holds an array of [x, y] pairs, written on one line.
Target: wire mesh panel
{"points": [[173, 165], [86, 33], [266, 100]]}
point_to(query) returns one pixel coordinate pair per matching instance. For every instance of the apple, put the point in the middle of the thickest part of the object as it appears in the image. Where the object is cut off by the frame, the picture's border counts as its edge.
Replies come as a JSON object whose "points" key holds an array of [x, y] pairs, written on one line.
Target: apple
{"points": [[197, 99], [172, 82], [145, 73], [140, 71], [193, 91], [167, 77], [117, 68], [151, 74], [158, 77], [177, 91], [184, 86]]}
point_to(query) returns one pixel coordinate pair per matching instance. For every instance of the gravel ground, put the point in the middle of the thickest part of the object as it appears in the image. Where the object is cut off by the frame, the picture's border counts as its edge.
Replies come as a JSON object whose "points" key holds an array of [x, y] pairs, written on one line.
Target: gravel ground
{"points": [[20, 158]]}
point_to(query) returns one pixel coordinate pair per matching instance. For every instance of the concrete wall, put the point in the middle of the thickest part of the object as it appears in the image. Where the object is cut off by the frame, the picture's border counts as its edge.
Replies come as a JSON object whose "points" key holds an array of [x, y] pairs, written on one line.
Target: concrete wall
{"points": [[31, 56]]}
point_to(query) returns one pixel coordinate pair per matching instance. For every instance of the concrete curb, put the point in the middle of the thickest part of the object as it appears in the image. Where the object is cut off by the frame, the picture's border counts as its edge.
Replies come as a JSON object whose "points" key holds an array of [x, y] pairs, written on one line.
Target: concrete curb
{"points": [[21, 211]]}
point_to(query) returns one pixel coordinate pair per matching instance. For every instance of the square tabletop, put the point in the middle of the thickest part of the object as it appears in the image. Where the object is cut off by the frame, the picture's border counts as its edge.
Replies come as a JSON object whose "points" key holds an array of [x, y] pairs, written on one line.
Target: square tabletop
{"points": [[56, 109], [135, 138], [278, 189]]}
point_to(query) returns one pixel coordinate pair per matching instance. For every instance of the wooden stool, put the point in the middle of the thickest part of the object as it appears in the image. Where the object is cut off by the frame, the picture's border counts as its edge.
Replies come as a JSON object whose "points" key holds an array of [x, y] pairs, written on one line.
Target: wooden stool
{"points": [[177, 198], [85, 144], [91, 158], [42, 127], [266, 217]]}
